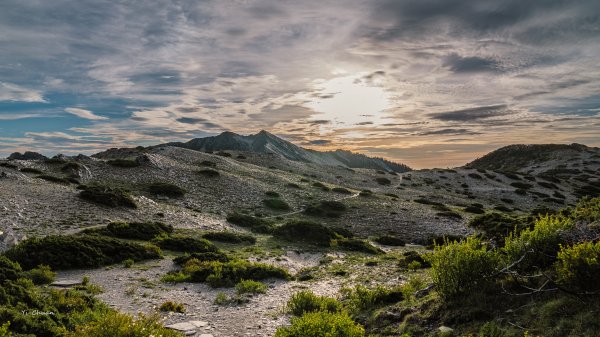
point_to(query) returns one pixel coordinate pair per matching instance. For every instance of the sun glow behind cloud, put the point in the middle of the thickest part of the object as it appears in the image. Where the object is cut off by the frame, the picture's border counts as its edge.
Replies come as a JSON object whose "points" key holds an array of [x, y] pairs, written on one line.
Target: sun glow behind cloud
{"points": [[349, 101]]}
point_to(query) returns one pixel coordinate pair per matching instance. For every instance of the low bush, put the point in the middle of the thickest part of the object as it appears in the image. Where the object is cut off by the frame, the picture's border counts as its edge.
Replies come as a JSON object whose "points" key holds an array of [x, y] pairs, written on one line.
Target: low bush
{"points": [[428, 202], [276, 204], [250, 287], [54, 179], [104, 195], [210, 173], [474, 210], [341, 190], [410, 258], [128, 263], [332, 209], [321, 324], [578, 266], [181, 243], [305, 231], [383, 181], [43, 274], [115, 324], [124, 163], [223, 154], [134, 230], [272, 194], [171, 306], [293, 185], [475, 176], [496, 225], [31, 170], [365, 193], [206, 256], [208, 163], [357, 245], [253, 223], [227, 274], [537, 247], [165, 189], [306, 301], [389, 240], [460, 267], [230, 237], [78, 251], [361, 298]]}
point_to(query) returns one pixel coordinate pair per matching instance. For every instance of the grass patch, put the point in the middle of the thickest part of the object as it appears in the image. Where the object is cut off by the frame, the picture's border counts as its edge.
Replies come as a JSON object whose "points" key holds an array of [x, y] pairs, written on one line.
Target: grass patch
{"points": [[108, 196], [208, 163], [306, 301], [202, 257], [250, 287], [78, 251], [383, 181], [230, 237], [341, 190], [253, 223], [322, 323]]}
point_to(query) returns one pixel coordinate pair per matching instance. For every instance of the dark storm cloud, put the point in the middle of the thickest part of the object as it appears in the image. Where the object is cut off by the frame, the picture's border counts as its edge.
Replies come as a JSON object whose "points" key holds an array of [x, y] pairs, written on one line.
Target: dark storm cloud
{"points": [[459, 64], [473, 114]]}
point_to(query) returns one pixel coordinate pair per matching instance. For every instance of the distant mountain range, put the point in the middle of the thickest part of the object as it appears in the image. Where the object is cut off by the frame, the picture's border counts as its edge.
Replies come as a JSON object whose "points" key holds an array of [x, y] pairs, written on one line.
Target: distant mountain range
{"points": [[265, 142]]}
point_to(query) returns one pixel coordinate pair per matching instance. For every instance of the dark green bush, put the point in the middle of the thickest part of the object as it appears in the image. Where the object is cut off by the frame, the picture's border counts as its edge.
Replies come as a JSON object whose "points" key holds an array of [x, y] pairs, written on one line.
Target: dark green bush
{"points": [[428, 202], [181, 243], [272, 194], [276, 204], [320, 324], [70, 166], [306, 301], [293, 185], [108, 196], [78, 251], [208, 163], [171, 306], [254, 224], [475, 176], [332, 209], [383, 181], [497, 225], [474, 210], [209, 173], [305, 231], [31, 170], [223, 154], [410, 257], [341, 190], [166, 189], [357, 245], [230, 237], [206, 256], [125, 163], [389, 240], [227, 274], [365, 193], [578, 266], [54, 179], [134, 230], [361, 298], [43, 274]]}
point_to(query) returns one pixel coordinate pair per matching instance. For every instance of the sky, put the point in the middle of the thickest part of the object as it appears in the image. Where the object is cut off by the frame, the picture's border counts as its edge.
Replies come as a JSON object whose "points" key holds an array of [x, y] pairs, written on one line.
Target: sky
{"points": [[428, 83]]}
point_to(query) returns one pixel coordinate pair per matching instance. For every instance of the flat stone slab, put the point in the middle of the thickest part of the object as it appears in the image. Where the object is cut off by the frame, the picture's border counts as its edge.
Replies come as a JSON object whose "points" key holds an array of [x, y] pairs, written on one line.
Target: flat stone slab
{"points": [[66, 283], [187, 326], [206, 335]]}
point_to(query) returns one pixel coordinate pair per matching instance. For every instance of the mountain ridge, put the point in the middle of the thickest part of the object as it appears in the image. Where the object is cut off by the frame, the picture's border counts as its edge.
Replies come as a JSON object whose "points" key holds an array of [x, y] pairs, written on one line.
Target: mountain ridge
{"points": [[268, 143]]}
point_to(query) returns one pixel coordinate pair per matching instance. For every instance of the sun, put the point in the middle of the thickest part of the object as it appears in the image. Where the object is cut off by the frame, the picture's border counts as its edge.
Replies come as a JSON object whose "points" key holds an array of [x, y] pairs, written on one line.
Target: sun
{"points": [[349, 101]]}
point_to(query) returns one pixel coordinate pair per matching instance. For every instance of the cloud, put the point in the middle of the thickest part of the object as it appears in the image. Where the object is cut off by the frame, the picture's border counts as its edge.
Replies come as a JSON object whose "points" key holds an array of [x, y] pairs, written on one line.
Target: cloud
{"points": [[459, 64], [453, 132], [13, 92], [319, 142], [473, 114], [86, 114]]}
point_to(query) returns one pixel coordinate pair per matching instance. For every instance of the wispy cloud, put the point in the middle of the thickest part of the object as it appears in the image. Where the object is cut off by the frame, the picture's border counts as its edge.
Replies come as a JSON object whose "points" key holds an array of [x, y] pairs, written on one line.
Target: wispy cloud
{"points": [[86, 114]]}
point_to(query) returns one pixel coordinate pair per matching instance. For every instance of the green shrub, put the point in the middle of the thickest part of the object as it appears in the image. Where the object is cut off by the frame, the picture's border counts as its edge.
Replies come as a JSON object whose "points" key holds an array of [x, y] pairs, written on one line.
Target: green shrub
{"points": [[460, 267], [210, 173], [181, 243], [133, 230], [305, 231], [9, 270], [166, 189], [276, 204], [175, 277], [230, 237], [208, 163], [293, 185], [365, 193], [78, 251], [4, 330], [227, 274], [410, 257], [205, 256], [538, 245], [128, 263], [383, 181], [341, 190], [104, 195], [53, 179], [171, 306], [474, 210], [357, 245], [389, 240], [332, 209], [361, 298], [43, 274], [428, 202], [115, 324], [588, 209], [306, 301], [250, 287], [31, 170], [322, 324], [125, 163], [497, 225], [272, 194], [254, 224], [578, 266]]}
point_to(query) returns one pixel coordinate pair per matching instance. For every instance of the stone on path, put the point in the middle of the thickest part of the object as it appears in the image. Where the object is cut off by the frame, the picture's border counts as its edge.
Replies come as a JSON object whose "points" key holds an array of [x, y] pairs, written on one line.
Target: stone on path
{"points": [[66, 283], [189, 328]]}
